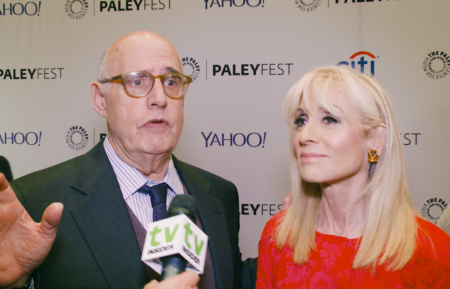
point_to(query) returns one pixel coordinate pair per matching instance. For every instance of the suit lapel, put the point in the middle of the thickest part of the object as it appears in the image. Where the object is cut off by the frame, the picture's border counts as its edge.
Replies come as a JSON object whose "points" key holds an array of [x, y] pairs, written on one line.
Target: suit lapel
{"points": [[212, 217], [103, 219]]}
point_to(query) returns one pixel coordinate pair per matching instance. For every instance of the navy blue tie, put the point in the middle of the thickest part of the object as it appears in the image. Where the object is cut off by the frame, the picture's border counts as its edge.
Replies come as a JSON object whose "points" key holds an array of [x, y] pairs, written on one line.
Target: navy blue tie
{"points": [[158, 196]]}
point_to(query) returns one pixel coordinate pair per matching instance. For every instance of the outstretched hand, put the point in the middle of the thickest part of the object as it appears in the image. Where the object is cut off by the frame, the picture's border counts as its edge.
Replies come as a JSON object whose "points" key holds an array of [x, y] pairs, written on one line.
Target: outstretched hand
{"points": [[24, 244]]}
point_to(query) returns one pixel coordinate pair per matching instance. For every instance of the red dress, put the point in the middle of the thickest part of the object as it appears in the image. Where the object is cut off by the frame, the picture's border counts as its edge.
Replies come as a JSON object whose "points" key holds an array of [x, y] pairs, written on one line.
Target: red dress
{"points": [[331, 265]]}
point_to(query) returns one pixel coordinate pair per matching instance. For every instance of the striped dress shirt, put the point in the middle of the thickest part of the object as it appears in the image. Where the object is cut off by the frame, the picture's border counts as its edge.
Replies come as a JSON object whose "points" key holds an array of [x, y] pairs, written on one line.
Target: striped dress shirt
{"points": [[130, 180]]}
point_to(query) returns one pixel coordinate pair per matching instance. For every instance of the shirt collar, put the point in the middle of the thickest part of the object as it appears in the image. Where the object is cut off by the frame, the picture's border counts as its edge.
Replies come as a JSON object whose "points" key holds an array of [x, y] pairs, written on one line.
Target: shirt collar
{"points": [[130, 179]]}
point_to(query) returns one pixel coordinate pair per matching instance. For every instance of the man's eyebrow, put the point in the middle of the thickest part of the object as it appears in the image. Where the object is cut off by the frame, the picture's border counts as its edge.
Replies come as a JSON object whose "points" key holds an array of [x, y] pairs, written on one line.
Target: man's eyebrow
{"points": [[172, 70]]}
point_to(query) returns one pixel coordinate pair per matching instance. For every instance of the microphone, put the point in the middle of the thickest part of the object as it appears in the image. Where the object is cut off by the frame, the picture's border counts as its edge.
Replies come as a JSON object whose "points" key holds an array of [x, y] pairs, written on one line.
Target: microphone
{"points": [[181, 204], [175, 243]]}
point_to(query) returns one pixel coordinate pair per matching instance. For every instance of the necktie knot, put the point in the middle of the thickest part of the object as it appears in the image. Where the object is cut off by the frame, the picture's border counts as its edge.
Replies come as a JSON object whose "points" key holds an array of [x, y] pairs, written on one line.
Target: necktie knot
{"points": [[158, 196]]}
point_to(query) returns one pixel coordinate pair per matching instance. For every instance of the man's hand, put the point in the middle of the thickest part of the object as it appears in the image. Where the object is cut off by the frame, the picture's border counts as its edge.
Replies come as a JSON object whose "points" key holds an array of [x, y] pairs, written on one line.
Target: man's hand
{"points": [[24, 244], [185, 280]]}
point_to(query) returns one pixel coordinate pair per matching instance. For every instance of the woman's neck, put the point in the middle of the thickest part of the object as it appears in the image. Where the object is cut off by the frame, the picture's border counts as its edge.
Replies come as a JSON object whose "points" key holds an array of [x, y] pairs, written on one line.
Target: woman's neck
{"points": [[342, 209]]}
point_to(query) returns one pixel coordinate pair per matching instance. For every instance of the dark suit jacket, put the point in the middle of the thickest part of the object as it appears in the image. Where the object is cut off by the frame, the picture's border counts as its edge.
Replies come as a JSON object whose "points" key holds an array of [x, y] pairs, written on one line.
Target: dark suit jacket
{"points": [[96, 246]]}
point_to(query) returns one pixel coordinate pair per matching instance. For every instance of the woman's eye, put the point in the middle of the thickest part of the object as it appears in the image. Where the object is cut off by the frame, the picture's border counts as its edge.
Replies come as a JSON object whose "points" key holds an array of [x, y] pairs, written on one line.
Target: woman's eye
{"points": [[330, 119], [300, 121]]}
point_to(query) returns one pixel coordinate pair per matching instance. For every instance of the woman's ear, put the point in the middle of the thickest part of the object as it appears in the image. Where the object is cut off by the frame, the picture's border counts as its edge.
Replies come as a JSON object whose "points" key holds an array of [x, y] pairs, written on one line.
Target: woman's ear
{"points": [[377, 138]]}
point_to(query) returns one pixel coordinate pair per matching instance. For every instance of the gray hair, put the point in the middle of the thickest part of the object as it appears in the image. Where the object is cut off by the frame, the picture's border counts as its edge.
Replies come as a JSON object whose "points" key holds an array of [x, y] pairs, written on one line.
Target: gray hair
{"points": [[103, 68]]}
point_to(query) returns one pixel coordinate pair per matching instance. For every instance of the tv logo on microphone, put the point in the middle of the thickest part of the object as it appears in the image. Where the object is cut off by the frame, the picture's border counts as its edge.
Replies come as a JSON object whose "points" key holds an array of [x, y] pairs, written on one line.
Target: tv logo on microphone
{"points": [[175, 235]]}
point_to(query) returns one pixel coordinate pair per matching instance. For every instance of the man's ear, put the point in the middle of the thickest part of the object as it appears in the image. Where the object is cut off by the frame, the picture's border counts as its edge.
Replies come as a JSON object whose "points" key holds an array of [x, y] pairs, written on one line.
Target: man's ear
{"points": [[98, 98], [378, 138]]}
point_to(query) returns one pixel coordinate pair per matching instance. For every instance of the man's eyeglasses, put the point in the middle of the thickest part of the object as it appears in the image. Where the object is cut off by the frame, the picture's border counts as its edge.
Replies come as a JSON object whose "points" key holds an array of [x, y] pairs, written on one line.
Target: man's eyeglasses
{"points": [[140, 83]]}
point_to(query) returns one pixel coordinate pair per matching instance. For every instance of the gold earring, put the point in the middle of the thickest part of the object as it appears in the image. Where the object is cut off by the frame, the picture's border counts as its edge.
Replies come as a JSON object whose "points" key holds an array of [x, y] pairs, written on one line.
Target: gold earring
{"points": [[373, 156]]}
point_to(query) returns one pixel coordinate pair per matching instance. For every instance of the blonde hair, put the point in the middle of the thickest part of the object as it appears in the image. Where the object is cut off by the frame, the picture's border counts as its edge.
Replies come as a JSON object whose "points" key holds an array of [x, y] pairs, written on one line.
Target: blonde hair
{"points": [[389, 234]]}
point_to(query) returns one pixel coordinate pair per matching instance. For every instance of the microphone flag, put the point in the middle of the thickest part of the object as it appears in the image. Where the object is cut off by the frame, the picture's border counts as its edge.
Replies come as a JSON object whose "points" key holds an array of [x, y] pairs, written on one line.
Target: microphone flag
{"points": [[175, 235]]}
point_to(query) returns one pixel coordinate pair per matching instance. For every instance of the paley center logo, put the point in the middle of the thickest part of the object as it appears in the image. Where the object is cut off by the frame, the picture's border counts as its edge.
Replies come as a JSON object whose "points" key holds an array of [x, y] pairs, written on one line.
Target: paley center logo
{"points": [[359, 1], [133, 5], [436, 64], [233, 3], [410, 138], [30, 9], [31, 73], [77, 138], [307, 5], [433, 208], [76, 9], [260, 209], [363, 60], [190, 67], [264, 69]]}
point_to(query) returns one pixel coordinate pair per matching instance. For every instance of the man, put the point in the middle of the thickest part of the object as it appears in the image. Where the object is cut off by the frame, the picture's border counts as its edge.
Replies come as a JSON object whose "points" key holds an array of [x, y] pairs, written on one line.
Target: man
{"points": [[105, 193], [5, 168]]}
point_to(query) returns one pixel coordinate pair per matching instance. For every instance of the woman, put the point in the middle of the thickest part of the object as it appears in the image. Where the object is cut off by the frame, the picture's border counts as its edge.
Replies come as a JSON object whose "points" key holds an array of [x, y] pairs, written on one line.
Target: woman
{"points": [[351, 223]]}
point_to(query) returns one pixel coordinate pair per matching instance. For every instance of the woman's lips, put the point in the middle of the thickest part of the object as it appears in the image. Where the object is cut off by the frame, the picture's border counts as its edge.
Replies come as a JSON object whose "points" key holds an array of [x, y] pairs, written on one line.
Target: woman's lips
{"points": [[311, 157]]}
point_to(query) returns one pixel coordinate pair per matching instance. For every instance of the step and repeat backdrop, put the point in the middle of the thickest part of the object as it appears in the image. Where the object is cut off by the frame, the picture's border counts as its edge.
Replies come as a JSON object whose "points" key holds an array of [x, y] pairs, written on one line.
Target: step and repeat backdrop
{"points": [[243, 55]]}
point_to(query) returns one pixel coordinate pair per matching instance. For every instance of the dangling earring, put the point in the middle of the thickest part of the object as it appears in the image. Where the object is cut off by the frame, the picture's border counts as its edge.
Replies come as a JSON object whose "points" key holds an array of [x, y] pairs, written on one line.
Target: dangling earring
{"points": [[373, 156]]}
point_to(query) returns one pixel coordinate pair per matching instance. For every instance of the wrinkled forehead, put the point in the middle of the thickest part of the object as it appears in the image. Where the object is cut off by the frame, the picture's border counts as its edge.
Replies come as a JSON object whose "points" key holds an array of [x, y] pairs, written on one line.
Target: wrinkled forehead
{"points": [[157, 56]]}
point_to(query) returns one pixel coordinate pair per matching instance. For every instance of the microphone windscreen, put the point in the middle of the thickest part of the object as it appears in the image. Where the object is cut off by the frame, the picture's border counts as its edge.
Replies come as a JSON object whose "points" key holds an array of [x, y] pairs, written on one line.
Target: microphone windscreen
{"points": [[183, 204], [176, 264]]}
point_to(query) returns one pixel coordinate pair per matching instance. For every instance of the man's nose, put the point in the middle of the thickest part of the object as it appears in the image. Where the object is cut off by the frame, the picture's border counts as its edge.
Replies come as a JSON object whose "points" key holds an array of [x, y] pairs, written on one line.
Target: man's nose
{"points": [[157, 96]]}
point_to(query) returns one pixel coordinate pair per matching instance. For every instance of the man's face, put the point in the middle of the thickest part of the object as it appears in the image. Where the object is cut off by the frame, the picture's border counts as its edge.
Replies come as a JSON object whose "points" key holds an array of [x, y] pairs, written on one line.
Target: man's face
{"points": [[151, 124]]}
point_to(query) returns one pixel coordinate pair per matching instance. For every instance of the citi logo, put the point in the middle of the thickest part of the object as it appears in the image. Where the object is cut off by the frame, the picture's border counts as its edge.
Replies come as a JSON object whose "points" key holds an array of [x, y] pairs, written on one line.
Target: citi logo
{"points": [[363, 60]]}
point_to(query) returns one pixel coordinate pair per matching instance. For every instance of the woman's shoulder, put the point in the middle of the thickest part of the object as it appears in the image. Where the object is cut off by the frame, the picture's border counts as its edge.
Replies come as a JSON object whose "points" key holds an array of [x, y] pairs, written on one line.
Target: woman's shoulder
{"points": [[433, 243], [271, 226], [432, 231]]}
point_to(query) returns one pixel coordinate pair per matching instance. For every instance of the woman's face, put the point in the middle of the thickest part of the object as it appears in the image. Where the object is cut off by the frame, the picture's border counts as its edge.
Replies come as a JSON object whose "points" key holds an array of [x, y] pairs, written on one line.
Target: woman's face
{"points": [[330, 148]]}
